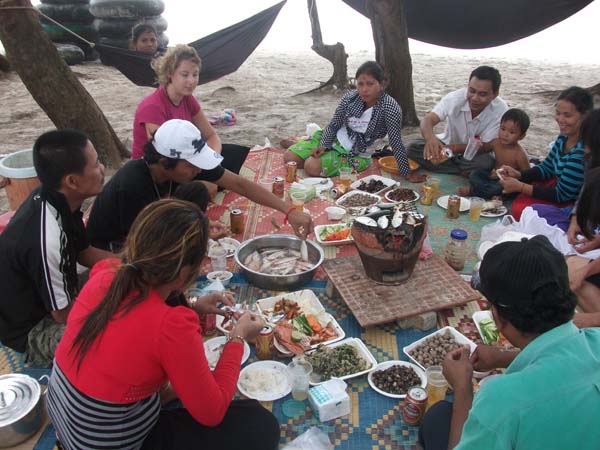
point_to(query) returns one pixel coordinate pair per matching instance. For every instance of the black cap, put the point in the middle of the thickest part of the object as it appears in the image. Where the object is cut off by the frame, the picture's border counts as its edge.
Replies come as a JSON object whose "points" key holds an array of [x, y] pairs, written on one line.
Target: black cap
{"points": [[511, 272]]}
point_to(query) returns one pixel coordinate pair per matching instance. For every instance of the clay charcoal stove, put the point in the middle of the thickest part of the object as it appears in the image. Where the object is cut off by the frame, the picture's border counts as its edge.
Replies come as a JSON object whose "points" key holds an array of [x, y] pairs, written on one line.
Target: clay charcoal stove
{"points": [[389, 243]]}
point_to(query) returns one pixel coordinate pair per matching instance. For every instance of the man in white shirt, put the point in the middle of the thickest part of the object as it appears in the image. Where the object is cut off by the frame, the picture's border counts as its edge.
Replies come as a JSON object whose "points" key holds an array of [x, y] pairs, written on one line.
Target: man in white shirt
{"points": [[474, 113]]}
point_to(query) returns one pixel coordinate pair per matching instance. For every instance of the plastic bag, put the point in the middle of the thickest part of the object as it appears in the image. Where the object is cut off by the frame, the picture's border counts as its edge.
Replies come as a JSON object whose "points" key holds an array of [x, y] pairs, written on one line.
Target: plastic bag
{"points": [[493, 231], [261, 147], [311, 439]]}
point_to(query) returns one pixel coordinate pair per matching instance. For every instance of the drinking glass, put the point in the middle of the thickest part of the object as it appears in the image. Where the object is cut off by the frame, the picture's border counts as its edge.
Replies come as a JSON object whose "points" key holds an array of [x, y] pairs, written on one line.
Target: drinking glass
{"points": [[298, 199], [475, 209], [218, 258], [346, 176], [299, 371], [436, 385]]}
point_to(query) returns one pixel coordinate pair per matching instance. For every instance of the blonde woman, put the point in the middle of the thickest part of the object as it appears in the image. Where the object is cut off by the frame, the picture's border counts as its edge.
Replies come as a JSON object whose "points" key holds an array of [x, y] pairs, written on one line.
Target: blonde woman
{"points": [[125, 351]]}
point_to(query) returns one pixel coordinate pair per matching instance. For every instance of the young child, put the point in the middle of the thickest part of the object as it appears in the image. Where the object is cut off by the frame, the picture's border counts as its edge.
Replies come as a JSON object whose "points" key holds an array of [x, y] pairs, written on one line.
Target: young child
{"points": [[507, 151]]}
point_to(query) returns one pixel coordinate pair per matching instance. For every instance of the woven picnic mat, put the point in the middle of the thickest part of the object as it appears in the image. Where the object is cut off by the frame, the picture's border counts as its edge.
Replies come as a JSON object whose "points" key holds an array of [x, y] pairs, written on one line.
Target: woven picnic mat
{"points": [[432, 286]]}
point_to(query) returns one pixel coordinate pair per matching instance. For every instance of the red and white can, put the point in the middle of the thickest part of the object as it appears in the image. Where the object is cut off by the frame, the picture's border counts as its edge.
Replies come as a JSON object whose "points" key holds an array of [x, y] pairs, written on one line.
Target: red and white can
{"points": [[415, 404], [291, 171], [279, 186]]}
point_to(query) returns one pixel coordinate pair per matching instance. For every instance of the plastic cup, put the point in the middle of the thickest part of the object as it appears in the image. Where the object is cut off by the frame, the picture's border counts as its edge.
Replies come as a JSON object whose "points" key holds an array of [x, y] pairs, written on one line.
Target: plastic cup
{"points": [[436, 385], [472, 148], [267, 183], [346, 176], [435, 185], [218, 259], [299, 371], [475, 209], [298, 199]]}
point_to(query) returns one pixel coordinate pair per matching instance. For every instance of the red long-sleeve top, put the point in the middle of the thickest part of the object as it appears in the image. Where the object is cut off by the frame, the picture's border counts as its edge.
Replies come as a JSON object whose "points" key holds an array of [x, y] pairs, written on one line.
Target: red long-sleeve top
{"points": [[140, 351]]}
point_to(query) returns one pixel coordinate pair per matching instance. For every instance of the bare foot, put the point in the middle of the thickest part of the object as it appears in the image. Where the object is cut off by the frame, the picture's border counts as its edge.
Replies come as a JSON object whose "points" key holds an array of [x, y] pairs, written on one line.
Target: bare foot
{"points": [[463, 191]]}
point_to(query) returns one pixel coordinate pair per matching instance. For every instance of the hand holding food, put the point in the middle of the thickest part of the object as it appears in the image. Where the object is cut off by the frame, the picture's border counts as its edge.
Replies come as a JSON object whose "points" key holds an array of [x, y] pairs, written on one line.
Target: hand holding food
{"points": [[217, 230], [248, 326], [301, 223], [486, 357], [433, 149], [510, 185], [457, 368], [508, 171], [207, 304]]}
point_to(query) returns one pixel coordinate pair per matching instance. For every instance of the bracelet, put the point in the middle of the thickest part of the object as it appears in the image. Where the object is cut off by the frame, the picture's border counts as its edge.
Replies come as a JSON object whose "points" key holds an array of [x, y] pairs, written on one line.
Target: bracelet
{"points": [[237, 337], [287, 214]]}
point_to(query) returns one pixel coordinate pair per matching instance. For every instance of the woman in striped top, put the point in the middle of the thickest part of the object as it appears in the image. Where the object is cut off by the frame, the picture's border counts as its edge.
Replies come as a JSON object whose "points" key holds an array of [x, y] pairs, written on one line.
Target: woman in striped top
{"points": [[125, 351], [362, 119], [558, 179]]}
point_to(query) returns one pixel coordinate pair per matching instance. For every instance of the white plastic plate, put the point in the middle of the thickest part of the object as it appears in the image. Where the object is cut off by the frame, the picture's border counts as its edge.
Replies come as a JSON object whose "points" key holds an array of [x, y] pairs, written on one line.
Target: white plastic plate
{"points": [[363, 352], [213, 352], [229, 244], [385, 365], [318, 229], [273, 369], [376, 199]]}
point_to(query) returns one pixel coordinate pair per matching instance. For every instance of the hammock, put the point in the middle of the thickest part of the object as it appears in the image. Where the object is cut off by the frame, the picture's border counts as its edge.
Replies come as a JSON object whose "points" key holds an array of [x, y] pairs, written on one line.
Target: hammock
{"points": [[222, 52], [479, 23]]}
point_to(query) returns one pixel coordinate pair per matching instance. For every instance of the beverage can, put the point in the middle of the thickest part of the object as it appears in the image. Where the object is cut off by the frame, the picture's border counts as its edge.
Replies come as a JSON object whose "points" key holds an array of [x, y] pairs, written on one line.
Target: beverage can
{"points": [[414, 407], [264, 343], [208, 322], [236, 221], [291, 171], [279, 186], [453, 210]]}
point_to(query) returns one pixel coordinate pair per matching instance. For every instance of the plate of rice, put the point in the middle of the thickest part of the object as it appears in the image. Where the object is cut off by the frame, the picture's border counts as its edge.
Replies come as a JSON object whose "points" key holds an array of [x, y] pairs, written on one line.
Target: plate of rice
{"points": [[264, 381]]}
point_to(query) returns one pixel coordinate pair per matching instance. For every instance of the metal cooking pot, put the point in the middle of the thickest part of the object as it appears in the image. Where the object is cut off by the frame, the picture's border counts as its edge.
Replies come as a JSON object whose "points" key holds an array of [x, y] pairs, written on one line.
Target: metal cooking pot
{"points": [[279, 282], [21, 408]]}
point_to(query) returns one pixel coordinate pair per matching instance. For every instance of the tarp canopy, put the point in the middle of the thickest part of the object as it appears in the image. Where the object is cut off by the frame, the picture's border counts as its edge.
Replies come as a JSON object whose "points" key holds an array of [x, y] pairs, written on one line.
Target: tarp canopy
{"points": [[479, 23], [222, 52]]}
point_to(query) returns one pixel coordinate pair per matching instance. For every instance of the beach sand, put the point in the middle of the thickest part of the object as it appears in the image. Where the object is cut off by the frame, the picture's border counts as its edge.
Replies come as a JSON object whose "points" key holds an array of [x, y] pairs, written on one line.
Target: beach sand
{"points": [[263, 93]]}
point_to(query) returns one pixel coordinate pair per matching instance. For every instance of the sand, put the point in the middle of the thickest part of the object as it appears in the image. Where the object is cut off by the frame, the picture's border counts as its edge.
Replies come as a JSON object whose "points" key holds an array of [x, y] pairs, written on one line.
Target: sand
{"points": [[263, 93]]}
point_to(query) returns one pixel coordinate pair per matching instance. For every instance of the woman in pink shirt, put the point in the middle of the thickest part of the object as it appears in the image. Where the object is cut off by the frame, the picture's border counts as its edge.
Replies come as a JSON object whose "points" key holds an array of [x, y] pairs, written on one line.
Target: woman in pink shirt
{"points": [[125, 351]]}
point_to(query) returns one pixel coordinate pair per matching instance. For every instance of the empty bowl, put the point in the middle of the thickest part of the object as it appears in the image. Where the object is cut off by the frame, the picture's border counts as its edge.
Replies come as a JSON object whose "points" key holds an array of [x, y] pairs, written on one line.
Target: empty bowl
{"points": [[221, 275], [335, 212]]}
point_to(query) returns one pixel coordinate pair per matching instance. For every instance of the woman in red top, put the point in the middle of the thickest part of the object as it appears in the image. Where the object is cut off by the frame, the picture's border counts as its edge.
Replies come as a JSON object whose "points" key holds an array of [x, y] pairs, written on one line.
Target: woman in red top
{"points": [[125, 351]]}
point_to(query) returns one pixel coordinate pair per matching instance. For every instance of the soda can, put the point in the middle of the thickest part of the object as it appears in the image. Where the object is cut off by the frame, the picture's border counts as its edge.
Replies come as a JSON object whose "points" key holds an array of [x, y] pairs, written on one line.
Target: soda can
{"points": [[291, 171], [264, 343], [415, 404], [208, 322], [279, 186], [236, 221]]}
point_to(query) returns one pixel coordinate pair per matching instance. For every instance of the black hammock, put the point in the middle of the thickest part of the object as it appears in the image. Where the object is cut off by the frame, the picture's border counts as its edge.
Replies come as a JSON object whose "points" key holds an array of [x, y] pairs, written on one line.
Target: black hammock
{"points": [[222, 52], [479, 23]]}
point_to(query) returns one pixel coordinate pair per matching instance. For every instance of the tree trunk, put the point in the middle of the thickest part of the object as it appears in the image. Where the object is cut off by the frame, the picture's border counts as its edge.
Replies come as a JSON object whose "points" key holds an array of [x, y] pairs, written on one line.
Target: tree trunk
{"points": [[336, 54], [50, 81], [390, 34], [4, 64]]}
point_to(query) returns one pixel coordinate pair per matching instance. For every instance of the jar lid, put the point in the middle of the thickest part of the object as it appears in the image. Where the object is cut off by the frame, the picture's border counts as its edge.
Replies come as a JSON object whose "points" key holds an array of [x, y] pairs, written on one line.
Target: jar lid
{"points": [[459, 235], [18, 395]]}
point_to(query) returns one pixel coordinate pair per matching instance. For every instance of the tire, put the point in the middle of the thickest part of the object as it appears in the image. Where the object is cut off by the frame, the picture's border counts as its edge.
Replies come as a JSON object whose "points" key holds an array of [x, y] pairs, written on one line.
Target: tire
{"points": [[70, 53], [57, 34], [120, 28], [122, 9], [65, 2], [65, 14]]}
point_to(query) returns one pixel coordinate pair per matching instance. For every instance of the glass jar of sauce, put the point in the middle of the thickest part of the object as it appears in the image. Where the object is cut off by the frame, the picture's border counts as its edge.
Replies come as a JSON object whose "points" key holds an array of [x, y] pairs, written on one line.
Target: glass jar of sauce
{"points": [[455, 252]]}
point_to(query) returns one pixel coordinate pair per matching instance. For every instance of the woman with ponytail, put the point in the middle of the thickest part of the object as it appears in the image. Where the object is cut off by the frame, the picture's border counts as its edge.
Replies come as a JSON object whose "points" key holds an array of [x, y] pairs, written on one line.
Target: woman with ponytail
{"points": [[125, 351]]}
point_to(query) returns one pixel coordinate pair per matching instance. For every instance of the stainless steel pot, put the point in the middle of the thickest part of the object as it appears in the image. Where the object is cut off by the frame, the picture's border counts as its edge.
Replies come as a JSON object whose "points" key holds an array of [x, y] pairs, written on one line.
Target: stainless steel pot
{"points": [[279, 282], [21, 408]]}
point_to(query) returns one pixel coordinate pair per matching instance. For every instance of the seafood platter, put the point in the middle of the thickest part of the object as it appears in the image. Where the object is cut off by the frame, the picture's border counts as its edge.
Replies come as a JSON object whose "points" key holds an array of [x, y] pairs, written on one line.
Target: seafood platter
{"points": [[389, 243], [275, 261], [402, 195], [394, 378], [300, 321], [357, 202], [373, 184]]}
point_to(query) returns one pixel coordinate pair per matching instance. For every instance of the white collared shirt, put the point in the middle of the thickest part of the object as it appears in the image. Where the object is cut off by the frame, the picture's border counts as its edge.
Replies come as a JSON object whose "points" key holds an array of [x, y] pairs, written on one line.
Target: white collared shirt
{"points": [[461, 126]]}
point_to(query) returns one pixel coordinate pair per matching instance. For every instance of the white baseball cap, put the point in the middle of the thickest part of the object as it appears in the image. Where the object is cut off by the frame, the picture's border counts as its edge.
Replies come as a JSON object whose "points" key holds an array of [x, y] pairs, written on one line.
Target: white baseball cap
{"points": [[180, 139]]}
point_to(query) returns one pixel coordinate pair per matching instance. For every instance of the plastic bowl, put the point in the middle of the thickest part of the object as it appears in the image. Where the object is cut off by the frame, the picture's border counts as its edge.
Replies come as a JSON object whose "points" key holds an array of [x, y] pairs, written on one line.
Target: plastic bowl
{"points": [[388, 163], [335, 212], [221, 275]]}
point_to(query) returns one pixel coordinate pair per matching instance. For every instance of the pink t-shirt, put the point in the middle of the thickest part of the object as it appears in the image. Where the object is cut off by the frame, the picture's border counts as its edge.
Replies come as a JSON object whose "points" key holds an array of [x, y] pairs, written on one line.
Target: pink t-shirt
{"points": [[157, 108]]}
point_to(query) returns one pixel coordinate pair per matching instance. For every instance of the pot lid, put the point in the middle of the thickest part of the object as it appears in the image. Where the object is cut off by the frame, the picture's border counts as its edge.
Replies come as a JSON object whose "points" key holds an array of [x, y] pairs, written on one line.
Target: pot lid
{"points": [[18, 395]]}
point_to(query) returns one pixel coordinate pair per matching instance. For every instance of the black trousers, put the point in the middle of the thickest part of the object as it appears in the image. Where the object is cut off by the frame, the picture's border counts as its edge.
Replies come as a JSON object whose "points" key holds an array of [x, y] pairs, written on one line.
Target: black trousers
{"points": [[434, 433], [247, 426], [234, 156]]}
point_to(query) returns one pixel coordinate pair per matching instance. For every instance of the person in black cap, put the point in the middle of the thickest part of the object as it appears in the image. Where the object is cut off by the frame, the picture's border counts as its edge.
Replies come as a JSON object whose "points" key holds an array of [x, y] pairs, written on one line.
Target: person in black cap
{"points": [[549, 396]]}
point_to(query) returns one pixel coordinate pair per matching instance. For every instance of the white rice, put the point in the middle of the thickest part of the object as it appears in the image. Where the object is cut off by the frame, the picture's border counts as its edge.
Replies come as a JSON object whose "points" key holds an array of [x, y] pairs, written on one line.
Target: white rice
{"points": [[259, 381]]}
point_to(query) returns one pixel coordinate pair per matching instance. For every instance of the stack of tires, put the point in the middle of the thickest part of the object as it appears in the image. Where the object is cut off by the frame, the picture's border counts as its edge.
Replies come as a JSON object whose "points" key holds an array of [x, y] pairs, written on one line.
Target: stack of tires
{"points": [[116, 18], [76, 16]]}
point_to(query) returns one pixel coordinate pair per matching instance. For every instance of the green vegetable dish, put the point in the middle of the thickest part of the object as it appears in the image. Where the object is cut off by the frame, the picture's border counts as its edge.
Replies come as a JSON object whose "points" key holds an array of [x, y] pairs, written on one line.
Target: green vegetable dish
{"points": [[337, 361], [489, 332]]}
